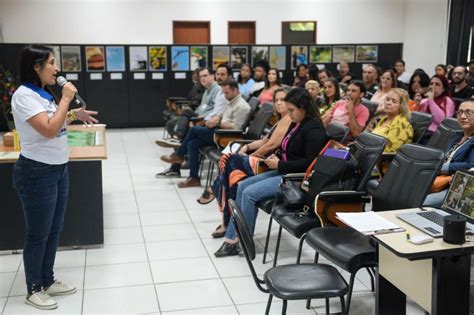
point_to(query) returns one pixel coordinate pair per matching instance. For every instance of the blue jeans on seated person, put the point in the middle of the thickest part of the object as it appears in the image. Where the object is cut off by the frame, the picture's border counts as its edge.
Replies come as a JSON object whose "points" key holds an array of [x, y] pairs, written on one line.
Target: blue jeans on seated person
{"points": [[249, 192], [43, 191], [197, 137], [435, 200]]}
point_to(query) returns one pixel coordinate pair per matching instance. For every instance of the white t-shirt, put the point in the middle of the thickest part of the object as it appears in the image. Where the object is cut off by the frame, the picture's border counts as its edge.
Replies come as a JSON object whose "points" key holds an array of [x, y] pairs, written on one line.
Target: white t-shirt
{"points": [[404, 77], [27, 103]]}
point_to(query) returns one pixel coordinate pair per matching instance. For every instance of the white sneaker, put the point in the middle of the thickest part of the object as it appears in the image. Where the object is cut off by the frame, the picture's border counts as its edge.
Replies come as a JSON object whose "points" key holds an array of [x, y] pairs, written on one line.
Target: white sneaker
{"points": [[59, 288], [41, 300]]}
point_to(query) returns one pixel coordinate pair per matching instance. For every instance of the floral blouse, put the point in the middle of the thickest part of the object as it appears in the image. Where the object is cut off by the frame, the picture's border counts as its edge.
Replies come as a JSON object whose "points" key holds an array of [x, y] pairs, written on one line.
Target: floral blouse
{"points": [[398, 132]]}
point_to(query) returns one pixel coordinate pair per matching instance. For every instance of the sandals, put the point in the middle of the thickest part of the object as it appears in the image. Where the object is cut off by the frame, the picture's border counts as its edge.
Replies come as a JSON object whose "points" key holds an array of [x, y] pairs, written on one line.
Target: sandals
{"points": [[206, 197], [217, 233]]}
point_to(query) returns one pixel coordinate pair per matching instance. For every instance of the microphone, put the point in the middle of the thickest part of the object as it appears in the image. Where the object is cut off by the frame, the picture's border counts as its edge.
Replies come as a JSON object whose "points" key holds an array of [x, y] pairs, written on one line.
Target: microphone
{"points": [[77, 99]]}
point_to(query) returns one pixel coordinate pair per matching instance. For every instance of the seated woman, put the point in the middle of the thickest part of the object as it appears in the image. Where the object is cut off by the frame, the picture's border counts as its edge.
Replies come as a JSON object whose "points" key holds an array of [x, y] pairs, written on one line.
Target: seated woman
{"points": [[303, 141], [313, 89], [245, 80], [438, 103], [460, 154], [331, 95], [234, 168], [441, 70], [418, 86], [388, 81], [272, 82], [395, 125], [301, 76]]}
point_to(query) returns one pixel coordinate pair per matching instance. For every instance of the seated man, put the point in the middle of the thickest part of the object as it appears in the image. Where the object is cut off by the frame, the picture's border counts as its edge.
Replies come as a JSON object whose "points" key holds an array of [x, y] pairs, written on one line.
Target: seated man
{"points": [[345, 76], [260, 74], [349, 111], [370, 77], [234, 117], [459, 88]]}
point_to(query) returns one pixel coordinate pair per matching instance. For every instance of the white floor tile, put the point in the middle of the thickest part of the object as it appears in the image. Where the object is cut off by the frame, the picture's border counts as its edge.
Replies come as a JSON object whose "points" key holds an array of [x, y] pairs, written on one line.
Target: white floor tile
{"points": [[237, 266], [2, 304], [193, 294], [121, 220], [224, 310], [6, 281], [183, 270], [128, 235], [70, 258], [133, 299], [67, 304], [244, 290], [72, 276], [294, 307], [110, 276], [119, 203], [175, 249], [164, 218], [117, 254], [169, 232], [10, 263]]}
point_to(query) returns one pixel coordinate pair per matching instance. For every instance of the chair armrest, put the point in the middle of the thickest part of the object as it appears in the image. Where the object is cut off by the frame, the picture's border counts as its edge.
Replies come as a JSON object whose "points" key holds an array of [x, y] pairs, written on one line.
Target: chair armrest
{"points": [[242, 141], [196, 119], [348, 196], [229, 132], [293, 176]]}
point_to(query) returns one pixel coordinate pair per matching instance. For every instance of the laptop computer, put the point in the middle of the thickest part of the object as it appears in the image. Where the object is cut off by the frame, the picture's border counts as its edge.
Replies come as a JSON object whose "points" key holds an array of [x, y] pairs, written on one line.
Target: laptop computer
{"points": [[459, 200]]}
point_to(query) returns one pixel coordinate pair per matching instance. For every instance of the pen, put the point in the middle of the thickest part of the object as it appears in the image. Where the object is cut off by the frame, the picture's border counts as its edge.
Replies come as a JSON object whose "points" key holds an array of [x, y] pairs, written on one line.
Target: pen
{"points": [[408, 236]]}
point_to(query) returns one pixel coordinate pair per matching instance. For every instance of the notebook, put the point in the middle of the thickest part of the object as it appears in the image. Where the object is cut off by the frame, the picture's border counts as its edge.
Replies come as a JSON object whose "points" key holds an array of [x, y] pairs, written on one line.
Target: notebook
{"points": [[459, 200]]}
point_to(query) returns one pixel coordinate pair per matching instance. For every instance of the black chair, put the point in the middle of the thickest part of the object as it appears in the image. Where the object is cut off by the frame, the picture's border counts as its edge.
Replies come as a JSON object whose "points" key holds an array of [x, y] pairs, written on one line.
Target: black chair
{"points": [[441, 137], [371, 106], [369, 148], [420, 123], [352, 251], [290, 282], [337, 132]]}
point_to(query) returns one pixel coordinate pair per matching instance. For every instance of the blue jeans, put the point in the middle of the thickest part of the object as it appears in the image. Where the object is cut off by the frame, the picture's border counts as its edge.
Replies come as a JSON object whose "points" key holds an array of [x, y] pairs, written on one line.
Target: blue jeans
{"points": [[435, 200], [43, 191], [197, 137], [249, 192]]}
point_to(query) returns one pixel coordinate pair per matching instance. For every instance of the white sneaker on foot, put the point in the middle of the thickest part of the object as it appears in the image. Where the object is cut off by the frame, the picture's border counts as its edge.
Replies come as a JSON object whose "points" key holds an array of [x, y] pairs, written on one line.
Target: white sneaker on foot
{"points": [[59, 288], [41, 300]]}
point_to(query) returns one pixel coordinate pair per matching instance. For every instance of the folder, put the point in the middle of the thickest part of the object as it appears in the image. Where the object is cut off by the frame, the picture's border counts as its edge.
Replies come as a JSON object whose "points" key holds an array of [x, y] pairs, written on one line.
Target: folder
{"points": [[368, 223]]}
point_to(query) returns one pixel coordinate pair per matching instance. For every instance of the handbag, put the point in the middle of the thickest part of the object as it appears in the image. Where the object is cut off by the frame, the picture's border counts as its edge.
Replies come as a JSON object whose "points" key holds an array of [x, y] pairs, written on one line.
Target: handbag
{"points": [[441, 182], [292, 195]]}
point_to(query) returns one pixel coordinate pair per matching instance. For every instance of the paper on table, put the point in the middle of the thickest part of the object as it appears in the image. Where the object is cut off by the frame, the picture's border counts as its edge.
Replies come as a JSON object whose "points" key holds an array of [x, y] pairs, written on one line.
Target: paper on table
{"points": [[368, 222], [8, 155]]}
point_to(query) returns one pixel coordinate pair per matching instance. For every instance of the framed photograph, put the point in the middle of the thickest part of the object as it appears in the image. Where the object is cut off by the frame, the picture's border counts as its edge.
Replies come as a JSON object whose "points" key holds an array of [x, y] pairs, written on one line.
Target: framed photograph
{"points": [[180, 58], [157, 58], [220, 54], [299, 55], [71, 58], [367, 53], [343, 53], [138, 58], [57, 55], [199, 57], [95, 58], [259, 53], [115, 56], [238, 56], [277, 57], [320, 54]]}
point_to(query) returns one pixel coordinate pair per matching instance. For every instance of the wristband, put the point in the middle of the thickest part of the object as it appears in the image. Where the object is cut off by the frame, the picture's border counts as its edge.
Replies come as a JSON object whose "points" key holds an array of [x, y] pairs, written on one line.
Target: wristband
{"points": [[71, 115]]}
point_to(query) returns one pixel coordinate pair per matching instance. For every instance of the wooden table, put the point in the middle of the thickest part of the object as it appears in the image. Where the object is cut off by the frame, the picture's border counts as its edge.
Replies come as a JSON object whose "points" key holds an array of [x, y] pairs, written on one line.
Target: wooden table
{"points": [[83, 223], [435, 275]]}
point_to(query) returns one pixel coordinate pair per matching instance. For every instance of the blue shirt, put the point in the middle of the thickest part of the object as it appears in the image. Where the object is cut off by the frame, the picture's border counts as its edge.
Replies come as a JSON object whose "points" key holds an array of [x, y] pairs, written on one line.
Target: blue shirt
{"points": [[245, 88]]}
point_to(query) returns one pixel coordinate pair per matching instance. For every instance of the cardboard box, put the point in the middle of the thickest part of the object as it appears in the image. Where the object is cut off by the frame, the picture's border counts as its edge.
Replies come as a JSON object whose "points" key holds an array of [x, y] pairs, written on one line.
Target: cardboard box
{"points": [[8, 139]]}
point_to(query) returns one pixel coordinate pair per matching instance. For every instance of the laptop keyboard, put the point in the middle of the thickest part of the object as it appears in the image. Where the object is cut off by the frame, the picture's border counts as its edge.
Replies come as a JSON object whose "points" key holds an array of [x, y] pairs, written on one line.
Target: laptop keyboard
{"points": [[432, 216]]}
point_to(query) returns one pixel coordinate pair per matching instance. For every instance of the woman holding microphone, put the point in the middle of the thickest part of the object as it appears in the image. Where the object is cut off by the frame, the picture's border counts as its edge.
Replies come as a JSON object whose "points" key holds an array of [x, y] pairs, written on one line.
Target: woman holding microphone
{"points": [[40, 175]]}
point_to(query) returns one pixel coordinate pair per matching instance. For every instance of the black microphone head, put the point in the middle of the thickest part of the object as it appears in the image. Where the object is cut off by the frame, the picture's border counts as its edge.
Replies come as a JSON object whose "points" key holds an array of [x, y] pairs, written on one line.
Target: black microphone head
{"points": [[61, 81]]}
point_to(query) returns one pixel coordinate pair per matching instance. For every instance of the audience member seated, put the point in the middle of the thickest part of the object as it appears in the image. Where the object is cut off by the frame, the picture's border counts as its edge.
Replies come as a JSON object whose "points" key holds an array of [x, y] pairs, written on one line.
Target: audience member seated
{"points": [[304, 139], [395, 124], [460, 89], [349, 111], [234, 117], [388, 81], [345, 76], [370, 78], [245, 80], [314, 89], [441, 70], [418, 86], [438, 103], [470, 67], [313, 73], [272, 82], [402, 74], [301, 76], [323, 75], [460, 156], [260, 74], [234, 168], [331, 95]]}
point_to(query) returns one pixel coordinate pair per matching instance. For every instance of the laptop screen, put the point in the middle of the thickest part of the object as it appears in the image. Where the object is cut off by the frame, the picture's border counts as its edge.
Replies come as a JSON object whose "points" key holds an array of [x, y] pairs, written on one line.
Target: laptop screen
{"points": [[460, 196]]}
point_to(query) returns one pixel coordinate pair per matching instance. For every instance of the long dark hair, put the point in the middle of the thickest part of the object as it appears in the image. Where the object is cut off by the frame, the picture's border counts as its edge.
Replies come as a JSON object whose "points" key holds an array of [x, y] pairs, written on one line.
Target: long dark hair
{"points": [[30, 56], [337, 96], [277, 82], [424, 82], [301, 99]]}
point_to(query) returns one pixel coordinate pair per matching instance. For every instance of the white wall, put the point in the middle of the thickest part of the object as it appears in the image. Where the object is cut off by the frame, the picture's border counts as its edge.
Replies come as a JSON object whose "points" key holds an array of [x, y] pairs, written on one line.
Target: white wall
{"points": [[150, 21]]}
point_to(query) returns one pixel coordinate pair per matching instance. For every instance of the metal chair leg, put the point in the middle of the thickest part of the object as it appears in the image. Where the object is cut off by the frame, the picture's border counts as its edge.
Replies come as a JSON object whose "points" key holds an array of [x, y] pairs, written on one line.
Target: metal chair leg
{"points": [[316, 257], [277, 248], [269, 304], [327, 307], [343, 306], [300, 248], [267, 240], [349, 292], [283, 309], [372, 287], [308, 304]]}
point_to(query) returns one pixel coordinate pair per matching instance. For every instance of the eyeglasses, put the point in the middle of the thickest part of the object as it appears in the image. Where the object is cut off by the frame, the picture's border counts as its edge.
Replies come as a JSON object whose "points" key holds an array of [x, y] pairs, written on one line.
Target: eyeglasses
{"points": [[468, 112]]}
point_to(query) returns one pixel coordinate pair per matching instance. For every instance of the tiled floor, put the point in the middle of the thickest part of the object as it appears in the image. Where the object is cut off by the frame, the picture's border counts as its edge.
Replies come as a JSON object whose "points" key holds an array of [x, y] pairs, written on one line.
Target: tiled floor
{"points": [[158, 252]]}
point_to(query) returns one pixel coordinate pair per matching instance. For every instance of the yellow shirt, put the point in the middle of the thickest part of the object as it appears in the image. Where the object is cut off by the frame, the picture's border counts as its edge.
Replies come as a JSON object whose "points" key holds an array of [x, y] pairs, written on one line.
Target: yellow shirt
{"points": [[398, 132]]}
